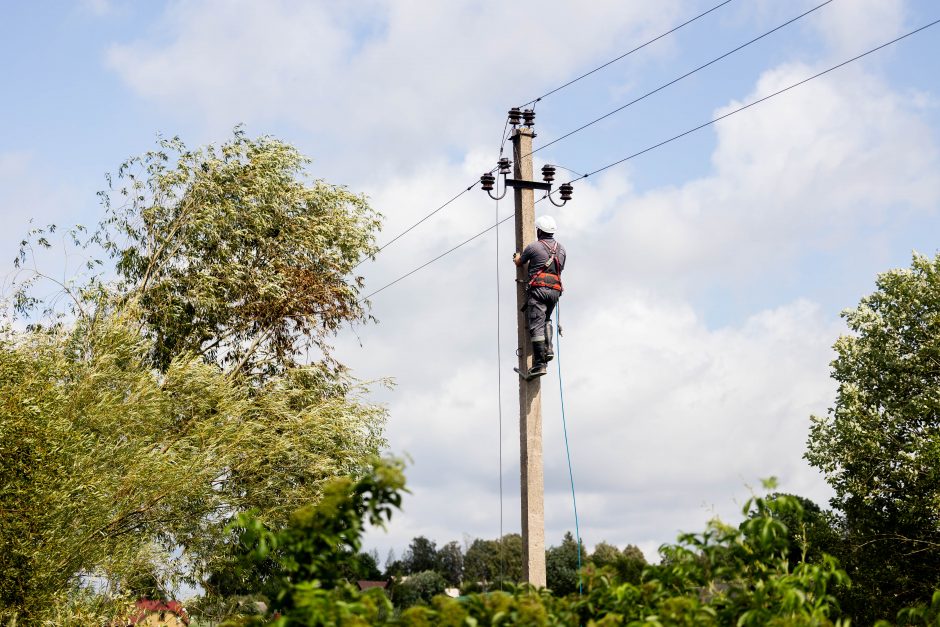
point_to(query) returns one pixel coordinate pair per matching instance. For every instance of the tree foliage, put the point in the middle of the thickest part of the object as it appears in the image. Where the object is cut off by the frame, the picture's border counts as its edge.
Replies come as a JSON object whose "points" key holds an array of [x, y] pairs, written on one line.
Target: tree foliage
{"points": [[231, 253], [879, 446], [490, 563], [562, 564], [163, 402], [420, 556], [450, 563], [627, 565], [726, 575], [421, 587]]}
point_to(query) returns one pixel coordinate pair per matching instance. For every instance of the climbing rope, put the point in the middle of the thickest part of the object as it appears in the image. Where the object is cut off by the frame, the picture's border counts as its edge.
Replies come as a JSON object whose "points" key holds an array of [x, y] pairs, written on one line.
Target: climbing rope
{"points": [[564, 425]]}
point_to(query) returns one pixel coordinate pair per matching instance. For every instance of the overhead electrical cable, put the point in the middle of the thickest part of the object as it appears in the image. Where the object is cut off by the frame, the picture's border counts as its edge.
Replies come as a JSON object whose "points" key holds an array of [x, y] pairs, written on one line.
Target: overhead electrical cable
{"points": [[626, 54], [410, 228], [505, 136], [679, 78], [756, 102], [442, 255], [670, 140]]}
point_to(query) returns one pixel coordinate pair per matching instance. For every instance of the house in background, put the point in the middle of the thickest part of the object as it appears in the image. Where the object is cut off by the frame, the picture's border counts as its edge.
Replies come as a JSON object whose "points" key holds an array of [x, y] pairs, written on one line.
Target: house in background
{"points": [[159, 614]]}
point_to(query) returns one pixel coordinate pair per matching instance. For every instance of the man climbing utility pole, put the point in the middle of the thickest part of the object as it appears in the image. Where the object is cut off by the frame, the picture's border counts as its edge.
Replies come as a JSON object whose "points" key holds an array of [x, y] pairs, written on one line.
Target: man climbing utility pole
{"points": [[538, 286], [544, 260]]}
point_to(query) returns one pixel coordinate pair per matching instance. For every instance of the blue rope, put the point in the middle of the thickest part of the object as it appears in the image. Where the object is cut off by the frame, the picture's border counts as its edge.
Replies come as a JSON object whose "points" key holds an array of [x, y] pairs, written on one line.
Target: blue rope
{"points": [[564, 425]]}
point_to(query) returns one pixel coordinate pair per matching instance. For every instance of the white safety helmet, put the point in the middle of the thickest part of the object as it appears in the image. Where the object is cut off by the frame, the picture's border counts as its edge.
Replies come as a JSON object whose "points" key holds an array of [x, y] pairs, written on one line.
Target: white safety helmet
{"points": [[546, 224]]}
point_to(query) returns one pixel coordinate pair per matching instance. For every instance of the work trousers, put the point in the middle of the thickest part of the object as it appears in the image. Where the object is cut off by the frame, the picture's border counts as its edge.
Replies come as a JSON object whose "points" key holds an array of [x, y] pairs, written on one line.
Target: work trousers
{"points": [[540, 303]]}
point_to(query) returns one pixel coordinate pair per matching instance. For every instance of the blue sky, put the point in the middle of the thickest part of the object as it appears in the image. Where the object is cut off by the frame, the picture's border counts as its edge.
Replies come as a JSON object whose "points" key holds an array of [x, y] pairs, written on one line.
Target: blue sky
{"points": [[705, 278]]}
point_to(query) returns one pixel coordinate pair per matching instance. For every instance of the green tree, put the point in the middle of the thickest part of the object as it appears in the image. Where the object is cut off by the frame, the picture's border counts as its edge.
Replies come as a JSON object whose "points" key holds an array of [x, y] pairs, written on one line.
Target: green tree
{"points": [[418, 588], [879, 446], [161, 403], [627, 565], [233, 253], [813, 534], [605, 555], [561, 566], [420, 556], [450, 563], [318, 543], [488, 563], [727, 575]]}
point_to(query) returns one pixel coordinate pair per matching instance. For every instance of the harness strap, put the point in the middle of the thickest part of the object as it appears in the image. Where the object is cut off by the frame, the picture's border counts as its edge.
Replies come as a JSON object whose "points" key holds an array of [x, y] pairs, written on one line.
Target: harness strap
{"points": [[544, 278]]}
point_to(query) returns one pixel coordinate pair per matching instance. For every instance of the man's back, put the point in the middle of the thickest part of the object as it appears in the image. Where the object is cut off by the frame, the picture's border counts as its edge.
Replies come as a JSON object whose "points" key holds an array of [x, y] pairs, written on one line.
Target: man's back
{"points": [[537, 253]]}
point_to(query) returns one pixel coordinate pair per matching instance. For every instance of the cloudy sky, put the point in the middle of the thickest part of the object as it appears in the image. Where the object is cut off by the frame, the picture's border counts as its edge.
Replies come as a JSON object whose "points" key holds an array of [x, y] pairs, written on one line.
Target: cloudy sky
{"points": [[705, 278]]}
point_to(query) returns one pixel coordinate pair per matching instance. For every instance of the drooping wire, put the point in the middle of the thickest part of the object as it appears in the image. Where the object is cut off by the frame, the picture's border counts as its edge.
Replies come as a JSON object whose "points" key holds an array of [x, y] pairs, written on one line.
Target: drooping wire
{"points": [[499, 404], [564, 426], [751, 104], [626, 54], [502, 143], [667, 141], [567, 169], [679, 78]]}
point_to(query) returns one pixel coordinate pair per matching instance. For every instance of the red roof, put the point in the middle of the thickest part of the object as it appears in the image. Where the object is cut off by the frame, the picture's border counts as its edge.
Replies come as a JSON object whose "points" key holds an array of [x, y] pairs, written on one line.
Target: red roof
{"points": [[365, 585], [145, 606]]}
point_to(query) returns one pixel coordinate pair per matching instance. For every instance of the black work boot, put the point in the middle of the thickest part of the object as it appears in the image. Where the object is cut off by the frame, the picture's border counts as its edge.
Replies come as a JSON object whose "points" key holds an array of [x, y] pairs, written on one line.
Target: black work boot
{"points": [[549, 347], [538, 359]]}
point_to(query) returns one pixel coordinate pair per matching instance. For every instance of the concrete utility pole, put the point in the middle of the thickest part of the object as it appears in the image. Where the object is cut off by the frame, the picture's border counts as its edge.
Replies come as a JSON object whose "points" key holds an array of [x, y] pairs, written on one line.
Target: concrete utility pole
{"points": [[530, 392]]}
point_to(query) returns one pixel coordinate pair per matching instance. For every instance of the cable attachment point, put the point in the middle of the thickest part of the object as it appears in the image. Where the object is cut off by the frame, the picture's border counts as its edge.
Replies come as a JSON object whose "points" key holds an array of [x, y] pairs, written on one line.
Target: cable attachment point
{"points": [[548, 173], [529, 116], [515, 116], [505, 166], [488, 181], [565, 191]]}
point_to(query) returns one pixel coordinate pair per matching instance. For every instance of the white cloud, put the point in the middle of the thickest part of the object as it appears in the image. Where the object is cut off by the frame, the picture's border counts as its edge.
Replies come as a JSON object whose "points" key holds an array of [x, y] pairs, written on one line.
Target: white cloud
{"points": [[853, 27], [666, 418], [29, 199], [808, 170], [669, 415], [394, 79], [98, 7]]}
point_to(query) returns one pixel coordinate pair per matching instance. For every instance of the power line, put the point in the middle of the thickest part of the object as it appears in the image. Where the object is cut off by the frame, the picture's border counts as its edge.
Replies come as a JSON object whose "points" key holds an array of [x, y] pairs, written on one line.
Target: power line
{"points": [[676, 80], [626, 54], [505, 136], [443, 254], [410, 228], [667, 141], [758, 101]]}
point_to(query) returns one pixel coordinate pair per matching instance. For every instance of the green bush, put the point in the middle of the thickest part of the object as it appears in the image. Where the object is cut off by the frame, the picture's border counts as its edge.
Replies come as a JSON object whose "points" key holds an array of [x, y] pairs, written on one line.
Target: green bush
{"points": [[726, 575], [419, 588]]}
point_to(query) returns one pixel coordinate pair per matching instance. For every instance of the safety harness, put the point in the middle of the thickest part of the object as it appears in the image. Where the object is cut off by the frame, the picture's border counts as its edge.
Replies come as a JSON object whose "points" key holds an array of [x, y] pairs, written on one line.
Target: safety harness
{"points": [[544, 278]]}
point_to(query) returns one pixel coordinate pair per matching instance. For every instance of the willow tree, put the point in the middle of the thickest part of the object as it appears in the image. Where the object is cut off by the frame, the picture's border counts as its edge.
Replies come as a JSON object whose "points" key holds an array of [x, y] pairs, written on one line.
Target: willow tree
{"points": [[231, 254], [194, 383]]}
